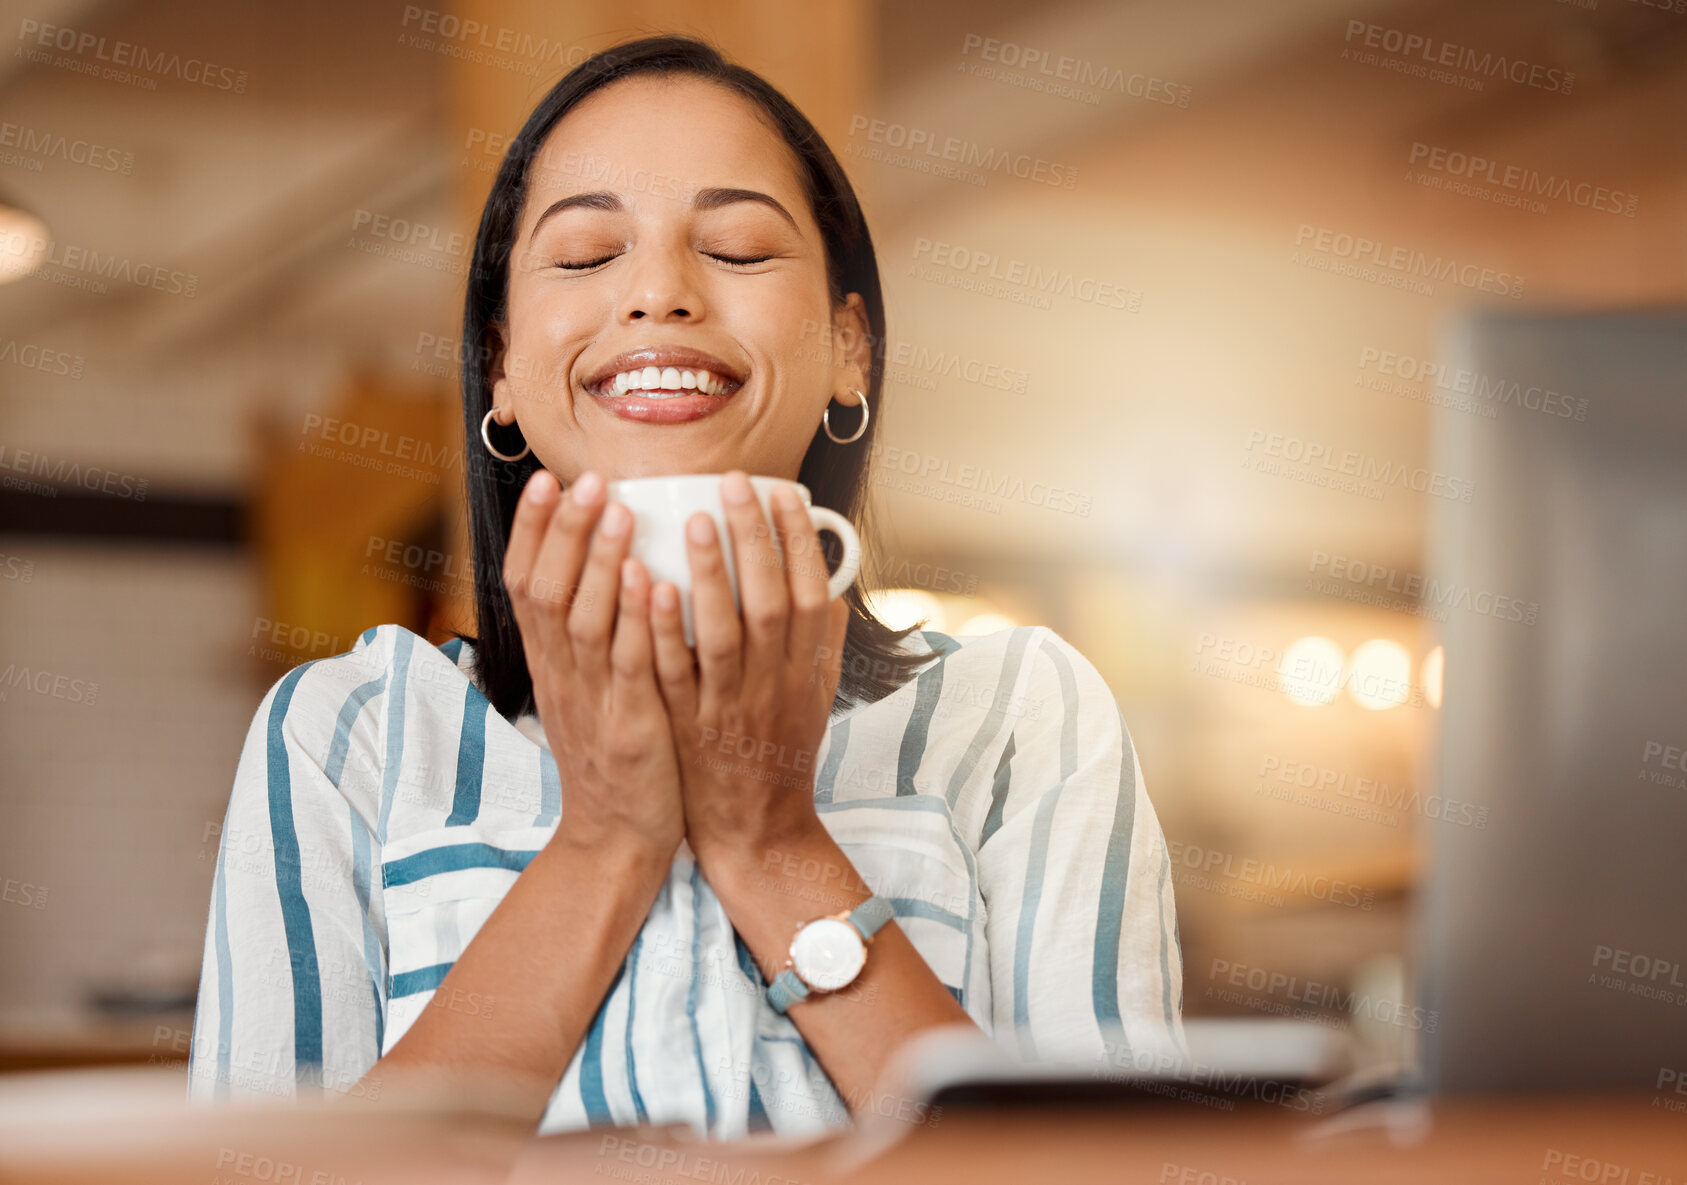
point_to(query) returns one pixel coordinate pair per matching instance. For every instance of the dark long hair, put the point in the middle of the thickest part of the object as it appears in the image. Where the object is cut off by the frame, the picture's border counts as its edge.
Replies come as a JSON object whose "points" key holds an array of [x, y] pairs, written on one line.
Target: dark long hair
{"points": [[874, 664]]}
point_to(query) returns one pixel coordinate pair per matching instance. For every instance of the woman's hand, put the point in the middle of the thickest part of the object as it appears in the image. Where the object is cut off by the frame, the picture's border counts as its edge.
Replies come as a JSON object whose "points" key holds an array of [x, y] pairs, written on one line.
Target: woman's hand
{"points": [[749, 718], [583, 608]]}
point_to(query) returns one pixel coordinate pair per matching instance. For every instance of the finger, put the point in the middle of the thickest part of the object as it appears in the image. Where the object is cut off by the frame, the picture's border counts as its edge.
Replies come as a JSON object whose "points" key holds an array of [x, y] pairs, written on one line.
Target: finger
{"points": [[761, 584], [592, 616], [632, 678], [555, 572], [676, 666], [805, 577], [527, 530], [714, 618]]}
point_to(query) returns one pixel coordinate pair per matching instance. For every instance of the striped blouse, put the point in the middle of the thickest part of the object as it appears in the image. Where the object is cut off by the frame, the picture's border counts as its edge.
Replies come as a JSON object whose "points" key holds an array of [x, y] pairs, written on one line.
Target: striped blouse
{"points": [[381, 809]]}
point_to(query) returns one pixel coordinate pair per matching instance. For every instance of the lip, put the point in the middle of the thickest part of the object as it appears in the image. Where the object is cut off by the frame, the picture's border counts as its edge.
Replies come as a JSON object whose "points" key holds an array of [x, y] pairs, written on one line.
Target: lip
{"points": [[678, 356], [676, 410]]}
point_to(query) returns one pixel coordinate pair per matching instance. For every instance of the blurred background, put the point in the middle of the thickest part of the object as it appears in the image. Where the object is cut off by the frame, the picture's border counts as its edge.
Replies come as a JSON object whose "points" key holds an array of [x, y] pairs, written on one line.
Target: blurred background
{"points": [[1181, 296]]}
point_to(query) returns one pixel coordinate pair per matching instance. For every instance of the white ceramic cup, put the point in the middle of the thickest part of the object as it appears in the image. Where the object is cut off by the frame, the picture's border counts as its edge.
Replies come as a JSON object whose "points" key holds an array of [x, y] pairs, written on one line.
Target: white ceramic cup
{"points": [[662, 505]]}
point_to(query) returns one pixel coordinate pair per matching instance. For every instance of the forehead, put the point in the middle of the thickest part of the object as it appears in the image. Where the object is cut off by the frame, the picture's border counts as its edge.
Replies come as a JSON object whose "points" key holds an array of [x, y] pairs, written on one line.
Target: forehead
{"points": [[665, 136]]}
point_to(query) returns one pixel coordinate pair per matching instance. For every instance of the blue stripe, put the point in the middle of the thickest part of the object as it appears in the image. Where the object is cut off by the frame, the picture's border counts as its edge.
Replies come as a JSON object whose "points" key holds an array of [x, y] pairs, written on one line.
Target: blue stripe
{"points": [[592, 1096], [998, 793], [928, 689], [1165, 970], [838, 741], [915, 907], [454, 858], [992, 723], [396, 696], [453, 650], [759, 1122], [957, 993], [225, 975], [295, 911], [373, 958], [425, 979], [1110, 909], [632, 1005], [349, 712], [369, 634], [471, 758], [1037, 861], [691, 1002], [550, 790]]}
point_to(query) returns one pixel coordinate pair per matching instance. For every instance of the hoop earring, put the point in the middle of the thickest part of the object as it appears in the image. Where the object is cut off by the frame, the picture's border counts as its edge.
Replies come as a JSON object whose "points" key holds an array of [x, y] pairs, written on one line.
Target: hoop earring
{"points": [[485, 424], [866, 414]]}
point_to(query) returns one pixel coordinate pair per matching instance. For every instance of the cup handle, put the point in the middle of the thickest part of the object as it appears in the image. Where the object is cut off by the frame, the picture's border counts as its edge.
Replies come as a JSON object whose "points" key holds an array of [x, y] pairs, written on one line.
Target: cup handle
{"points": [[825, 518]]}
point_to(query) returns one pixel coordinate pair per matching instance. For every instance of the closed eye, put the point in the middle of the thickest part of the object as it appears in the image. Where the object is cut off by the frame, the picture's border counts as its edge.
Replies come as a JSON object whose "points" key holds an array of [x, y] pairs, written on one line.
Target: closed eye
{"points": [[729, 260], [577, 267]]}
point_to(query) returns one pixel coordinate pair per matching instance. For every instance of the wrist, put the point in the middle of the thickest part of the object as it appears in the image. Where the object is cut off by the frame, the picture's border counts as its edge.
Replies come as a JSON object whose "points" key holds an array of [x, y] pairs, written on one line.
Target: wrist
{"points": [[620, 855]]}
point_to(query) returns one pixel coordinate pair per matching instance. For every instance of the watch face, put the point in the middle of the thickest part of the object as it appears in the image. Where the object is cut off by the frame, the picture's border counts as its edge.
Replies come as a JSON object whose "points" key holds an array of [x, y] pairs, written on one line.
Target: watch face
{"points": [[828, 954]]}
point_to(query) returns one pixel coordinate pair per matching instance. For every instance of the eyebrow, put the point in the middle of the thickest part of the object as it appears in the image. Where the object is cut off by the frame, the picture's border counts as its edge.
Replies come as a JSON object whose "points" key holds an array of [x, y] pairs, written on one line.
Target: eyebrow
{"points": [[705, 199]]}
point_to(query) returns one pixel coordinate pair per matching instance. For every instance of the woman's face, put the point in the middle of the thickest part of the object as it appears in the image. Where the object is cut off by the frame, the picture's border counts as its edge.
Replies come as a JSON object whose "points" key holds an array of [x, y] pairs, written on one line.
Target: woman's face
{"points": [[665, 233]]}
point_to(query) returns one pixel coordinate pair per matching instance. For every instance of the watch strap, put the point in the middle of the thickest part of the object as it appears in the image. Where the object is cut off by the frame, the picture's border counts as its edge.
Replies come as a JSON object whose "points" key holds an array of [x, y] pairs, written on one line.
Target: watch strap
{"points": [[870, 915], [786, 989]]}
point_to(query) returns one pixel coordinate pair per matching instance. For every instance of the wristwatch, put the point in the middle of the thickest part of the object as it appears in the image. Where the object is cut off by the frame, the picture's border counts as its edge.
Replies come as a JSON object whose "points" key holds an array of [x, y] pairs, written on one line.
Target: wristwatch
{"points": [[828, 953]]}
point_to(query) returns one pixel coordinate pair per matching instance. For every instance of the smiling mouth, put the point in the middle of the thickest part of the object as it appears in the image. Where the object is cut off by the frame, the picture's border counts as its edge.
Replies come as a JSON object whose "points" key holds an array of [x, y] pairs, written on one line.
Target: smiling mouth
{"points": [[666, 382]]}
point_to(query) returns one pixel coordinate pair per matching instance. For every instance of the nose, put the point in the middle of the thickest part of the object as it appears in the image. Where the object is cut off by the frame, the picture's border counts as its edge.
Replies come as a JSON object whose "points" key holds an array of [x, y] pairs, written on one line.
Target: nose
{"points": [[661, 286]]}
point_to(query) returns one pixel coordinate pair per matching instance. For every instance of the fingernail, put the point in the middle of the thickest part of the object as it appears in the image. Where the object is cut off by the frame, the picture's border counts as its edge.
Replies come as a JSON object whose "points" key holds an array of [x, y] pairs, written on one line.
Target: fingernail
{"points": [[627, 569], [700, 529], [666, 596], [736, 488], [587, 488], [786, 498], [616, 519], [541, 486]]}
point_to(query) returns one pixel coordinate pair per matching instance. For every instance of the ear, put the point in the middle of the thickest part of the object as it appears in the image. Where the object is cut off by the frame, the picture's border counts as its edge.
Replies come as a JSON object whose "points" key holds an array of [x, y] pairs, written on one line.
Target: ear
{"points": [[496, 351], [852, 353]]}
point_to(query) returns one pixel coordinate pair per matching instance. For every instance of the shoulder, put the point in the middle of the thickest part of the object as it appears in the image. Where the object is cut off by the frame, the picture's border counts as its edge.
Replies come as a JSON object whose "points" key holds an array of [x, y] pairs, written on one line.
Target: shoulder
{"points": [[383, 658], [1033, 659]]}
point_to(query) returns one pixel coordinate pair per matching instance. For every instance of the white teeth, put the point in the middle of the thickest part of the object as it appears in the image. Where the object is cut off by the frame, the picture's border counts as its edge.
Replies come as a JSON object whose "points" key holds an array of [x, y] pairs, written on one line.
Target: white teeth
{"points": [[666, 382]]}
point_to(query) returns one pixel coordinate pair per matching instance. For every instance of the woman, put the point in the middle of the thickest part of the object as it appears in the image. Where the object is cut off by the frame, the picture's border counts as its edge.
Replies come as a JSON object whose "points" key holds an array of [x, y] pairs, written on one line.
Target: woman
{"points": [[542, 855]]}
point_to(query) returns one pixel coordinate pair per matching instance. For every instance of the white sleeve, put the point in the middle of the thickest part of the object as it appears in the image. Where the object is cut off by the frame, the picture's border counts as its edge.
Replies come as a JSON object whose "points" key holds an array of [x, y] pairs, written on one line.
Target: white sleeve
{"points": [[1081, 925], [292, 992]]}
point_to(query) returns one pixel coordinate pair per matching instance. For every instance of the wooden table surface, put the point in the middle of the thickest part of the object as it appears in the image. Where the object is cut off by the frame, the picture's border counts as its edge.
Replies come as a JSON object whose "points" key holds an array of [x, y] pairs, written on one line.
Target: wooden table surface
{"points": [[63, 1129]]}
